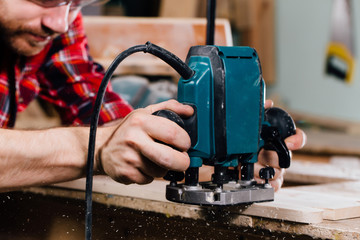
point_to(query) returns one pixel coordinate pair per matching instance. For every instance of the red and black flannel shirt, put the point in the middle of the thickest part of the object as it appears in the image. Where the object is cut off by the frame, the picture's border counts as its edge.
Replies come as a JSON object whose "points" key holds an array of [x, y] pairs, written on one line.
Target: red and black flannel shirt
{"points": [[64, 75]]}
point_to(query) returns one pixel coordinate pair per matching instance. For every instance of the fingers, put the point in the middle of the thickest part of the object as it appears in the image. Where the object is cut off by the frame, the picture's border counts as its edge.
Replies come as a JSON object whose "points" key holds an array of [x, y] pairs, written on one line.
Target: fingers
{"points": [[265, 159], [143, 172], [269, 103], [151, 169], [268, 158], [276, 183], [278, 171], [166, 156], [159, 129], [124, 165], [296, 141], [165, 131], [173, 105], [144, 146], [278, 178]]}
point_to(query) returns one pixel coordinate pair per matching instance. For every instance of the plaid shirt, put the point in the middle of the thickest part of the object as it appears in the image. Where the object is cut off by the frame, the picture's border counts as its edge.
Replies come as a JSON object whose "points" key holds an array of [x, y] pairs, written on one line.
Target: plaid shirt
{"points": [[64, 75]]}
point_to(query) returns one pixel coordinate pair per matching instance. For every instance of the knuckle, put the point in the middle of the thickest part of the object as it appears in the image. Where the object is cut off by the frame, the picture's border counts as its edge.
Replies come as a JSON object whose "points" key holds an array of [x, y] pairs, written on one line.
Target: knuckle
{"points": [[172, 135], [121, 179], [136, 120], [173, 102], [128, 177], [166, 161], [130, 158], [146, 181], [178, 136], [161, 173], [130, 139]]}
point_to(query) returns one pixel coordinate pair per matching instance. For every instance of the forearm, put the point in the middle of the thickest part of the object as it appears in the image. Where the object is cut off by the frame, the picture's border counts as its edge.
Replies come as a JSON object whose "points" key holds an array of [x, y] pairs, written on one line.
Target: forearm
{"points": [[131, 151], [29, 158]]}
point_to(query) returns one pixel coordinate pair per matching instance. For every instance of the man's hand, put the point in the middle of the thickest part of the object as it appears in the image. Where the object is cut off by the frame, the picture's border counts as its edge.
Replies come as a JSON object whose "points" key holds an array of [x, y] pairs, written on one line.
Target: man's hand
{"points": [[270, 158], [135, 152]]}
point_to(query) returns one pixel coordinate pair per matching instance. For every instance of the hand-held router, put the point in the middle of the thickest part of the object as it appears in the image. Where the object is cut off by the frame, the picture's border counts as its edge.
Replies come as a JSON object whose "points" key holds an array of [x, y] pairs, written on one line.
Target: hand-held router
{"points": [[229, 127]]}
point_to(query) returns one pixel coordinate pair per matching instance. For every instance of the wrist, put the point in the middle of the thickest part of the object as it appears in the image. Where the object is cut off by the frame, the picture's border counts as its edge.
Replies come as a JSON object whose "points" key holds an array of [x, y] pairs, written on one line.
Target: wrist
{"points": [[103, 136], [98, 167]]}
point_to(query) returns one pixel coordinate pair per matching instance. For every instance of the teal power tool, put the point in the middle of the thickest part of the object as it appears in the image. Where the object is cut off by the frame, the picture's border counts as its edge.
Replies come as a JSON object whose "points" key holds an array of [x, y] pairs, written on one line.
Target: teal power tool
{"points": [[230, 126]]}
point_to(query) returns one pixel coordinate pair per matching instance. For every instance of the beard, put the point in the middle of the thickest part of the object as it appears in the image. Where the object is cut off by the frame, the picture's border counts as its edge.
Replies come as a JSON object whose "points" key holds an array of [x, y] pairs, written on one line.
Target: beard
{"points": [[23, 40]]}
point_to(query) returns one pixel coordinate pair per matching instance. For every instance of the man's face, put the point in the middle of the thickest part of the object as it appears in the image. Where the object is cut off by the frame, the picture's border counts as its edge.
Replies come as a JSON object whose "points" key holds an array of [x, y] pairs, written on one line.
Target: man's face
{"points": [[27, 28]]}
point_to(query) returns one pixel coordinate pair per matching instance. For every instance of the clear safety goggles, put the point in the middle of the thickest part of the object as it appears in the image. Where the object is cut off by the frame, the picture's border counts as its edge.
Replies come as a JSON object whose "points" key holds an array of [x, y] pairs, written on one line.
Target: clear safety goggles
{"points": [[74, 4]]}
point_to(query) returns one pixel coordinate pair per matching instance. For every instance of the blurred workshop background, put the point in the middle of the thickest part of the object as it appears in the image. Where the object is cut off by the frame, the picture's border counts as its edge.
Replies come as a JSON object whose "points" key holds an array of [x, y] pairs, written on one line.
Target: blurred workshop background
{"points": [[292, 39], [308, 51]]}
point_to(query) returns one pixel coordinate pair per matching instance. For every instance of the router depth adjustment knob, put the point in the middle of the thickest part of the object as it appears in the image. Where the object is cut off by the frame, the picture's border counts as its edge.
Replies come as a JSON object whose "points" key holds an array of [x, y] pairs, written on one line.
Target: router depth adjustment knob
{"points": [[174, 177], [267, 173]]}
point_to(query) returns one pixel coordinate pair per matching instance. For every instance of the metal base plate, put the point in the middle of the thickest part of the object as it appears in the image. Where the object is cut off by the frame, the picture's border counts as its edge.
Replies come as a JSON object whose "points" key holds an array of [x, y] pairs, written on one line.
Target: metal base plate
{"points": [[207, 193]]}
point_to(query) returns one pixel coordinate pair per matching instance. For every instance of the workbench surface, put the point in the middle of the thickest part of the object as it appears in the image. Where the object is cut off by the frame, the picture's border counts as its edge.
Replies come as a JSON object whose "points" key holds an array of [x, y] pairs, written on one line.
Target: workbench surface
{"points": [[298, 212]]}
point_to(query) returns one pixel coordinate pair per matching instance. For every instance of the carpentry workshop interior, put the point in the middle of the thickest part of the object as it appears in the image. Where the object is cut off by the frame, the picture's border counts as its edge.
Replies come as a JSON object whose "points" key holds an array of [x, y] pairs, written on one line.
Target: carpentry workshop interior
{"points": [[233, 54]]}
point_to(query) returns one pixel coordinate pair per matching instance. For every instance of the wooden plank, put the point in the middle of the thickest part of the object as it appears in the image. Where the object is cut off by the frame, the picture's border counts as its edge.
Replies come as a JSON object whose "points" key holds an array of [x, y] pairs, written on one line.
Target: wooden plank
{"points": [[334, 207], [317, 173], [109, 36], [290, 204], [328, 124], [349, 189], [102, 184], [332, 142], [156, 192], [285, 211]]}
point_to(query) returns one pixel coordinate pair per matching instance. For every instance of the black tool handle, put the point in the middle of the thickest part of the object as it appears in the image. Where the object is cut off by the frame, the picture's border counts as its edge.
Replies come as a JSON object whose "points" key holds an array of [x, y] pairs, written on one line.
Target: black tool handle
{"points": [[281, 126], [171, 116], [172, 176], [282, 120]]}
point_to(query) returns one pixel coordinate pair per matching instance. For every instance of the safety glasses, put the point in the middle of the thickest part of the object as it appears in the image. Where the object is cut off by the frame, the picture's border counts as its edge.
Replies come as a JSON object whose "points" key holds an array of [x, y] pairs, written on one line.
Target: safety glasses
{"points": [[74, 4]]}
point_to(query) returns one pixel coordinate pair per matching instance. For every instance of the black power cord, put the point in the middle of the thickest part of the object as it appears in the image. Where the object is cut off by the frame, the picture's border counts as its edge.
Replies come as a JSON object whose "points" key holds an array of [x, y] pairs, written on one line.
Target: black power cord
{"points": [[185, 72], [210, 26]]}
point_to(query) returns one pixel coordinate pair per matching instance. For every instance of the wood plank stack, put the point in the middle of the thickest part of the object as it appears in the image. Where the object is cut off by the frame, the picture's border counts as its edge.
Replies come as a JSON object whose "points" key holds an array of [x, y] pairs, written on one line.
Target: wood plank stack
{"points": [[306, 204]]}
